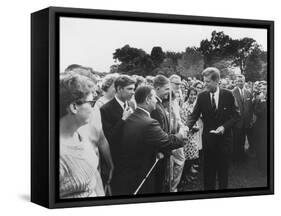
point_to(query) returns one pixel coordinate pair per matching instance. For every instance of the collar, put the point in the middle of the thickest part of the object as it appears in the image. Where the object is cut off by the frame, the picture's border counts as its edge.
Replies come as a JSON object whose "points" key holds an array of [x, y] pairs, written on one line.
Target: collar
{"points": [[241, 90], [217, 92], [120, 102], [144, 110]]}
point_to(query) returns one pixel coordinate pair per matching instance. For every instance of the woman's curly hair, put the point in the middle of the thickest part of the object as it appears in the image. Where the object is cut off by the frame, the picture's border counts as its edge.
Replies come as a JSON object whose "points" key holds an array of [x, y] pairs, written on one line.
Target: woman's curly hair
{"points": [[73, 88]]}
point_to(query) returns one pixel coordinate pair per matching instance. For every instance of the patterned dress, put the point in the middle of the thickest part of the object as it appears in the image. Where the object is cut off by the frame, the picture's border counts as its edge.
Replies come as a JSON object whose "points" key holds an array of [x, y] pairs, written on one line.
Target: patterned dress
{"points": [[192, 142], [79, 176]]}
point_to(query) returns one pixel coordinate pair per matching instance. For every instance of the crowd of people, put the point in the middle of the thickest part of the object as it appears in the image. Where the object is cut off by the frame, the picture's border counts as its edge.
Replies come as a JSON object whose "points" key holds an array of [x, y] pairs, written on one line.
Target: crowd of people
{"points": [[129, 135]]}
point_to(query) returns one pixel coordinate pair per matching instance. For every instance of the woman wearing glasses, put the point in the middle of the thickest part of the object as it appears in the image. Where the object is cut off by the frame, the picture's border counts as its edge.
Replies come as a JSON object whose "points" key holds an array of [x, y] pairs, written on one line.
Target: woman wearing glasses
{"points": [[79, 176]]}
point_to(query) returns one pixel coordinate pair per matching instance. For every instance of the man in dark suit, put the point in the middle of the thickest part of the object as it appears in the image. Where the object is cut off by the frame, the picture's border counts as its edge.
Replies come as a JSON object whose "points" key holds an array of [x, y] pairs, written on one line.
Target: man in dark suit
{"points": [[113, 116], [142, 139], [219, 114], [161, 86], [242, 128]]}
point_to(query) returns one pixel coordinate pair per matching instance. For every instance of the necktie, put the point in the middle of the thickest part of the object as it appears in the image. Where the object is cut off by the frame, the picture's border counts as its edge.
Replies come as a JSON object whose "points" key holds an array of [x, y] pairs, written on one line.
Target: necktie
{"points": [[242, 95], [213, 103]]}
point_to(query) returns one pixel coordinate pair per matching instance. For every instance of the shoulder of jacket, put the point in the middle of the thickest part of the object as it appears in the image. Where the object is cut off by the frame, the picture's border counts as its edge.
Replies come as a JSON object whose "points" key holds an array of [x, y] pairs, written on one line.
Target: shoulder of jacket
{"points": [[226, 91]]}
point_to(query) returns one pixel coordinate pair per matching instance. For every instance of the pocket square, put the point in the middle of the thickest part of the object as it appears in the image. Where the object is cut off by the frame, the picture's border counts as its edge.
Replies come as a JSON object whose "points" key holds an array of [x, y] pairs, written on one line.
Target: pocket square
{"points": [[224, 108]]}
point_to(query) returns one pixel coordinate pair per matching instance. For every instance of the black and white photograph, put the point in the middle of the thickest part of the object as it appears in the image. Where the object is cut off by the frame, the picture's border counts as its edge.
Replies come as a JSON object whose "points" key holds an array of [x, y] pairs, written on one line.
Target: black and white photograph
{"points": [[151, 108]]}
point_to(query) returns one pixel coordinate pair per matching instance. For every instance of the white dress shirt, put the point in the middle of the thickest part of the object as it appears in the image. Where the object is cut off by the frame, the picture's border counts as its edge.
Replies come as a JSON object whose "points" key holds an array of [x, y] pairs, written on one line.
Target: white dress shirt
{"points": [[242, 92], [216, 96]]}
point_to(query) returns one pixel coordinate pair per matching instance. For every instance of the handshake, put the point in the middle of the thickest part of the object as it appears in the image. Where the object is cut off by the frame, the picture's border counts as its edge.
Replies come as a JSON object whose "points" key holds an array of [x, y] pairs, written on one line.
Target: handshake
{"points": [[183, 132]]}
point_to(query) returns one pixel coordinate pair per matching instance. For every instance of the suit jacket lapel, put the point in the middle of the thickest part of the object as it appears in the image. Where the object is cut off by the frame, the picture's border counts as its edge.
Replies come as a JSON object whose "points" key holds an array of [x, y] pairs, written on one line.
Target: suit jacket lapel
{"points": [[117, 106], [208, 99], [166, 120], [239, 98]]}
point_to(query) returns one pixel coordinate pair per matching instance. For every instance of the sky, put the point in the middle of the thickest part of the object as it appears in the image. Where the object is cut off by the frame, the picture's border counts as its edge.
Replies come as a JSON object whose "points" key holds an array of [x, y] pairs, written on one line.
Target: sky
{"points": [[92, 42]]}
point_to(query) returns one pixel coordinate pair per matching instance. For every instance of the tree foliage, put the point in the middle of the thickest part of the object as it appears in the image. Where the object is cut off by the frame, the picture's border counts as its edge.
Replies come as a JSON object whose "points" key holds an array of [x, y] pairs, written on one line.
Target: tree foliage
{"points": [[157, 56], [219, 51]]}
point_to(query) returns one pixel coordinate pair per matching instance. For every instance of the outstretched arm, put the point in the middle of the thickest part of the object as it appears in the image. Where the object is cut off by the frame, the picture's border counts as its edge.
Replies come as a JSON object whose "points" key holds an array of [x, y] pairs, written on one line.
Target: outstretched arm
{"points": [[192, 119], [156, 137]]}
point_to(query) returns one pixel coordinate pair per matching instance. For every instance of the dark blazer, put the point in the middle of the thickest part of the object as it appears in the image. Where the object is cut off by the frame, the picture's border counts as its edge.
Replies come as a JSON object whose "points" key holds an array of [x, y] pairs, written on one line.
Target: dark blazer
{"points": [[217, 148], [142, 138], [245, 107], [226, 115], [112, 123], [160, 115]]}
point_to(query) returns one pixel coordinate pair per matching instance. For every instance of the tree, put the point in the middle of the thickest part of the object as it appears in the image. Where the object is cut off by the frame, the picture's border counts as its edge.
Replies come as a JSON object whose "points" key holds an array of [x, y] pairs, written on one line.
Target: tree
{"points": [[192, 63], [133, 61], [219, 46], [224, 52], [244, 48], [157, 56], [254, 65], [128, 54], [172, 59]]}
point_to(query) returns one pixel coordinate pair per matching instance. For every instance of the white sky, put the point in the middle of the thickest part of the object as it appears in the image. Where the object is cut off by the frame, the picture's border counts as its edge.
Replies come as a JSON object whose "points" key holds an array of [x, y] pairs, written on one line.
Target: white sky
{"points": [[91, 42]]}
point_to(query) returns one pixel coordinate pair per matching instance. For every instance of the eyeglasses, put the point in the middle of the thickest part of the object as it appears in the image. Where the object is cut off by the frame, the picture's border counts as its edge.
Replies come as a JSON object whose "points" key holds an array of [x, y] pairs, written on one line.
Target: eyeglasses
{"points": [[92, 102]]}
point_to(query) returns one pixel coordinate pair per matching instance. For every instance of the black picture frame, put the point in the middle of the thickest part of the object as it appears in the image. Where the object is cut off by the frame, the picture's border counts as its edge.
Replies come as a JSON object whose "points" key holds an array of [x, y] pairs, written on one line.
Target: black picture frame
{"points": [[45, 103]]}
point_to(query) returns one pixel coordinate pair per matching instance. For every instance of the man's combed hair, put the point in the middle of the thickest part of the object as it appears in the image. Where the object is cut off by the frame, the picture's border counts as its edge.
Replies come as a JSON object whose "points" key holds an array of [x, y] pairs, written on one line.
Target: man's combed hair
{"points": [[123, 81], [213, 72], [142, 93], [73, 88], [160, 81]]}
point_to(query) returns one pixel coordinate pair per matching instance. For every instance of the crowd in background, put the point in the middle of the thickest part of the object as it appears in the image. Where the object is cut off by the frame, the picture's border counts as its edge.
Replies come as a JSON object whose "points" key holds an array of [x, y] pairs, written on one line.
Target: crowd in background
{"points": [[105, 120]]}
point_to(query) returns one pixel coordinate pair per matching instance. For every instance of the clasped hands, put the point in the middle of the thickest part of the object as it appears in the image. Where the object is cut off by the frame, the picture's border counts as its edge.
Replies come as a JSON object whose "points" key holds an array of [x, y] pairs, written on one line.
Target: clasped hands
{"points": [[183, 132]]}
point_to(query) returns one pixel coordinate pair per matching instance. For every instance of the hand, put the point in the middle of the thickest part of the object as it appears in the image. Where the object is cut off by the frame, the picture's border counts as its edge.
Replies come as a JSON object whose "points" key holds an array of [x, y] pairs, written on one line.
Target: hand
{"points": [[183, 131], [127, 112], [218, 131], [262, 97]]}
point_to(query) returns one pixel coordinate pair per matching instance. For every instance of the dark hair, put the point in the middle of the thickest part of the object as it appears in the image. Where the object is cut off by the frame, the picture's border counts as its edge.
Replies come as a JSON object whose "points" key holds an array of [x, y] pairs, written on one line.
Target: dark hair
{"points": [[139, 81], [142, 93], [123, 81], [214, 72], [160, 81], [189, 91], [73, 88]]}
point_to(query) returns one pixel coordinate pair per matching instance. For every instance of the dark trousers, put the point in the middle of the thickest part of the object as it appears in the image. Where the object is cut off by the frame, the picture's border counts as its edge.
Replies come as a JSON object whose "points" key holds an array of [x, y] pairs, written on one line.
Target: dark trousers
{"points": [[239, 138], [216, 162]]}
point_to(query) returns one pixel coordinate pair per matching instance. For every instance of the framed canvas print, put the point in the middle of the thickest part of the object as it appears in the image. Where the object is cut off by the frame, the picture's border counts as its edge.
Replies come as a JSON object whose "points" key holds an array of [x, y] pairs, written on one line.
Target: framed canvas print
{"points": [[138, 107]]}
